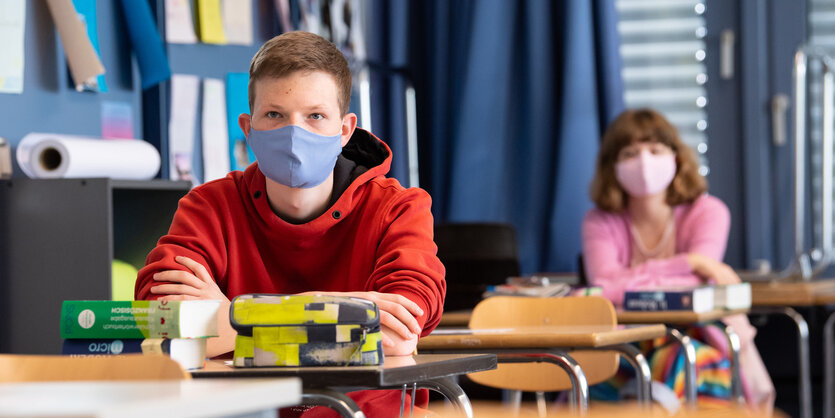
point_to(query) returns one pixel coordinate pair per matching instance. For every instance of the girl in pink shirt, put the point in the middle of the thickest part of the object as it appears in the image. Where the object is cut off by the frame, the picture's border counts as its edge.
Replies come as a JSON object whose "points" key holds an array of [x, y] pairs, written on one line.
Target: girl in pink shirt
{"points": [[655, 226]]}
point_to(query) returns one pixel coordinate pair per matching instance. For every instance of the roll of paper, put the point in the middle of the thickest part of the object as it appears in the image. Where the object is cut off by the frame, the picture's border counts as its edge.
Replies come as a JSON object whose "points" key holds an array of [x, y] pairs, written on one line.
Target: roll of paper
{"points": [[47, 156]]}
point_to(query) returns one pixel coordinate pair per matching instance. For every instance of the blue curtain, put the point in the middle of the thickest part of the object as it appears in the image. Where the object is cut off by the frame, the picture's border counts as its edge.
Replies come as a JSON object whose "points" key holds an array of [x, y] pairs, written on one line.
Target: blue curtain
{"points": [[388, 62], [512, 100]]}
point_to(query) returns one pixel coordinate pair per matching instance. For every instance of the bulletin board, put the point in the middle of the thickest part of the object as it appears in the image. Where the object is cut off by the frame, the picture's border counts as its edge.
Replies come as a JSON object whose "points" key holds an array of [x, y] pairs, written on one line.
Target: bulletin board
{"points": [[49, 102]]}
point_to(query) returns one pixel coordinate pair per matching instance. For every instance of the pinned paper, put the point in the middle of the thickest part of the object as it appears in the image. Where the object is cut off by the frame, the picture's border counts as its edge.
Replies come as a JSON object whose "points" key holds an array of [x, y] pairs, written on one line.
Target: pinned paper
{"points": [[237, 102], [346, 28], [179, 26], [312, 21], [211, 25], [82, 58], [184, 91], [146, 42], [12, 29], [214, 131], [116, 120], [237, 21], [282, 7], [86, 10]]}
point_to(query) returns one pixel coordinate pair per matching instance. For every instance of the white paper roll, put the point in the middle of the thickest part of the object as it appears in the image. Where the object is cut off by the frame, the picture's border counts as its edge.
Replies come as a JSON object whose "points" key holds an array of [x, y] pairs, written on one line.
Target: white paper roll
{"points": [[67, 156]]}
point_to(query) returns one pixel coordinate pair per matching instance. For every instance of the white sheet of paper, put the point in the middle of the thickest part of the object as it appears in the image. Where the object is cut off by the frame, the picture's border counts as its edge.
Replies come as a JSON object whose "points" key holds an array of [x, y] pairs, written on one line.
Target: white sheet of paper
{"points": [[237, 21], [184, 92], [215, 135], [12, 29], [179, 25]]}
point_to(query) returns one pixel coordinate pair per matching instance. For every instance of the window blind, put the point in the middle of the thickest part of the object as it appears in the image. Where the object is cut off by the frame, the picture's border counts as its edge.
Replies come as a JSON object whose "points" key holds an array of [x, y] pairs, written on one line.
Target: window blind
{"points": [[663, 52]]}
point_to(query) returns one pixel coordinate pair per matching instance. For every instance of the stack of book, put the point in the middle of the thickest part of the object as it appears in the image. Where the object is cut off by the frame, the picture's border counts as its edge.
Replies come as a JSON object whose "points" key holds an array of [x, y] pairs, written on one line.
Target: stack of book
{"points": [[179, 329], [694, 299]]}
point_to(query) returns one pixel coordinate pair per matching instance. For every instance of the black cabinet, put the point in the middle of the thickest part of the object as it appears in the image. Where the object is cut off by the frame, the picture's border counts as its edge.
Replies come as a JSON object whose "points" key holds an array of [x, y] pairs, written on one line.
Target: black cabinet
{"points": [[58, 239]]}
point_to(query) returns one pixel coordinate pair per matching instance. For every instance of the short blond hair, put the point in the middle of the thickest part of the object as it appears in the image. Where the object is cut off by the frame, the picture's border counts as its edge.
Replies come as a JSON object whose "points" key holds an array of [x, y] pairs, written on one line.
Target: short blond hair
{"points": [[301, 51], [644, 125]]}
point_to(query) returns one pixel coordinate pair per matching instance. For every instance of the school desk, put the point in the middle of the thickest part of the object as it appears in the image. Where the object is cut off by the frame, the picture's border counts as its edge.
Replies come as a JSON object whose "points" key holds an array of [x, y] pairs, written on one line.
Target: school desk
{"points": [[688, 318], [147, 398], [551, 344], [779, 297], [321, 385], [675, 318]]}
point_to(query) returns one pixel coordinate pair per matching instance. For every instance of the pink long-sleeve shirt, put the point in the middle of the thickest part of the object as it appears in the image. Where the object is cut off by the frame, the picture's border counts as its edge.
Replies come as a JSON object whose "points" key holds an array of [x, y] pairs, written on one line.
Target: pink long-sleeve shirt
{"points": [[700, 227]]}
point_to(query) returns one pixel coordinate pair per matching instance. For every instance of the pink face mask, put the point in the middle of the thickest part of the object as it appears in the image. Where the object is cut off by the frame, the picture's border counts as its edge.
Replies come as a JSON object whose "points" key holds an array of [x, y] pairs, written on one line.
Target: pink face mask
{"points": [[647, 174]]}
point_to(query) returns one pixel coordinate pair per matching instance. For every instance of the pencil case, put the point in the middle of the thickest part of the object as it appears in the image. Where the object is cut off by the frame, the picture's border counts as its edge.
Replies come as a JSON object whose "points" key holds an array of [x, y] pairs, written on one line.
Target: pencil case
{"points": [[305, 330]]}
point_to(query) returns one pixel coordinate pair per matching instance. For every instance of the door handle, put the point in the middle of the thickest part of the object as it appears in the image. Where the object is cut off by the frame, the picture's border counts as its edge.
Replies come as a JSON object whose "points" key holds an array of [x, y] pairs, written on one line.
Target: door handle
{"points": [[779, 105], [726, 51]]}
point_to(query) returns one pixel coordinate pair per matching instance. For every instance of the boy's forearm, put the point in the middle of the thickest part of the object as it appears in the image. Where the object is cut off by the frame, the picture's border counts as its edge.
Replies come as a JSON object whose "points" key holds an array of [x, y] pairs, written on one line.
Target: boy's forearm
{"points": [[225, 342]]}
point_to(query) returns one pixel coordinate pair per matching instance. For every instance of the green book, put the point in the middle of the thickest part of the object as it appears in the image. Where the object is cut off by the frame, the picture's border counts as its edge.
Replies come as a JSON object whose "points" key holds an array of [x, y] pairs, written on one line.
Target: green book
{"points": [[139, 319]]}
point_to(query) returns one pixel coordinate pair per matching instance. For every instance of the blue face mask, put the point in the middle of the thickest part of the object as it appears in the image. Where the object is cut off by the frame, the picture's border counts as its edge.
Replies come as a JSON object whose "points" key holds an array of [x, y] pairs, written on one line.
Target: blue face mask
{"points": [[294, 156]]}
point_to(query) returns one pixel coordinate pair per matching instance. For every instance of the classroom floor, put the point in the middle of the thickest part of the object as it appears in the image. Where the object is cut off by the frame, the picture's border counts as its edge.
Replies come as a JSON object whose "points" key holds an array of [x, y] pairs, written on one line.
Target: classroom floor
{"points": [[491, 409]]}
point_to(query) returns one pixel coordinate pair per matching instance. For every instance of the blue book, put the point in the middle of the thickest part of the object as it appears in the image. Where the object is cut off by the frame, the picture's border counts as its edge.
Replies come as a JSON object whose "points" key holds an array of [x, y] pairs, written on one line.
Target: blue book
{"points": [[694, 299], [102, 347]]}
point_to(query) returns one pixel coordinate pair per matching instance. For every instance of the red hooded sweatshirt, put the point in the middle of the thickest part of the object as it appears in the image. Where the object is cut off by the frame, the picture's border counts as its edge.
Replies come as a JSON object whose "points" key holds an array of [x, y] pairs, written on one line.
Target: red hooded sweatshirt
{"points": [[375, 236]]}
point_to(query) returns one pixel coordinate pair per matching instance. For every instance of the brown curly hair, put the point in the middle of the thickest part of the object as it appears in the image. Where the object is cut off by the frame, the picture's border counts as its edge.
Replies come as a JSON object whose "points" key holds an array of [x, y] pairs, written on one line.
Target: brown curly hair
{"points": [[644, 125]]}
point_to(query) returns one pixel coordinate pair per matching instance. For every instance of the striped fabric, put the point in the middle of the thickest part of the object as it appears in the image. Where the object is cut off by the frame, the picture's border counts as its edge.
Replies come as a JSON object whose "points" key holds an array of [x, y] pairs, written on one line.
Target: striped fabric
{"points": [[666, 362]]}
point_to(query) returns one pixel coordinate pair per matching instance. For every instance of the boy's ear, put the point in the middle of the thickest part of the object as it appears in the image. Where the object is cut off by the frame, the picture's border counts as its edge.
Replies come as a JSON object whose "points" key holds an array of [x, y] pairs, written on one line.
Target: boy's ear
{"points": [[245, 122], [349, 124]]}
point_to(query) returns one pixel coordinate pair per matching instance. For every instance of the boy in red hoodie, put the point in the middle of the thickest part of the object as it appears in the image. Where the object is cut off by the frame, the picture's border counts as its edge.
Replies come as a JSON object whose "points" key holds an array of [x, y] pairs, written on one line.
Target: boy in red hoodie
{"points": [[313, 214]]}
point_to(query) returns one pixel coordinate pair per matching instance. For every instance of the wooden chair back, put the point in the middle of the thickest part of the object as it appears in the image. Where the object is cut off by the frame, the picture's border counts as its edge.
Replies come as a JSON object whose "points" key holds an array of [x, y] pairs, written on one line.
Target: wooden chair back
{"points": [[40, 368], [513, 311]]}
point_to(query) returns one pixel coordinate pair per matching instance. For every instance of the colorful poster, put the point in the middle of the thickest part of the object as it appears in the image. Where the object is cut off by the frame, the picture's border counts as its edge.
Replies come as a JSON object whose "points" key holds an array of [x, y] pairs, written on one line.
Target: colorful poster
{"points": [[210, 22], [237, 102], [116, 120]]}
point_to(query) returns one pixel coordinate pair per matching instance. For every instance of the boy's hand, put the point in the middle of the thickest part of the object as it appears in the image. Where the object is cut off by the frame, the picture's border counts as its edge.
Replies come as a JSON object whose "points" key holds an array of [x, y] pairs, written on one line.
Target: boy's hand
{"points": [[397, 313], [188, 286]]}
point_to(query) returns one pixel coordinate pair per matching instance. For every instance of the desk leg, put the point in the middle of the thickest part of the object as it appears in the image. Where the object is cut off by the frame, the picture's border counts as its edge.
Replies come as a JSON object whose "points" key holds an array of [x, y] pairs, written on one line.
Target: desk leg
{"points": [[829, 366], [805, 387], [447, 387], [643, 375], [337, 401], [579, 385], [690, 385], [736, 377]]}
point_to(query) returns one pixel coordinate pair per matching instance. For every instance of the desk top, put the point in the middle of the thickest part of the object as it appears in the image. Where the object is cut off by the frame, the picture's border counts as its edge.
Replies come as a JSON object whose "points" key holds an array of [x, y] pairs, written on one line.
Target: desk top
{"points": [[179, 398], [396, 371], [462, 318], [456, 318], [675, 317], [817, 292], [568, 337]]}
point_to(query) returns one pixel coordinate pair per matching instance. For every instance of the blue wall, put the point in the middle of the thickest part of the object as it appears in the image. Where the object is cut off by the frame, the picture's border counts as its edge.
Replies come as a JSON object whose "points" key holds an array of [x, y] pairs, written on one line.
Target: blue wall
{"points": [[49, 102]]}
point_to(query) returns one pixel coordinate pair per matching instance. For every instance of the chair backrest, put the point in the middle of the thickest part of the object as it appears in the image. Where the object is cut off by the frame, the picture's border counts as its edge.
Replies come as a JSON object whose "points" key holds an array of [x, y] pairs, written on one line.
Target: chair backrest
{"points": [[513, 311], [475, 255], [39, 368]]}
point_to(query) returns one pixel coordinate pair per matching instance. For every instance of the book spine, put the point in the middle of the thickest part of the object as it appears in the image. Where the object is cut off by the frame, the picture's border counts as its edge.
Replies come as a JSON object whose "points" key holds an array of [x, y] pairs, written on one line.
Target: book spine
{"points": [[120, 319], [100, 347], [658, 301]]}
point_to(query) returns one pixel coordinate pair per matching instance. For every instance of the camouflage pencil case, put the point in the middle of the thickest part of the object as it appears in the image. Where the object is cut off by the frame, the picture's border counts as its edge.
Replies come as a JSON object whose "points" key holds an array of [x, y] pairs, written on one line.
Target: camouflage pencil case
{"points": [[305, 330]]}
